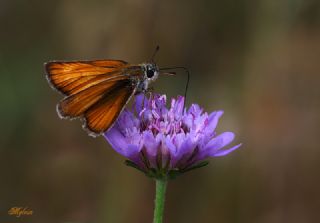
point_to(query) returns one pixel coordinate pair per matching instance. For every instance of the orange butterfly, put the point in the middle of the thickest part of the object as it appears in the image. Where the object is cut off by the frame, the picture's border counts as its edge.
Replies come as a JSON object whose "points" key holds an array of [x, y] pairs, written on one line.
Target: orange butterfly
{"points": [[97, 91]]}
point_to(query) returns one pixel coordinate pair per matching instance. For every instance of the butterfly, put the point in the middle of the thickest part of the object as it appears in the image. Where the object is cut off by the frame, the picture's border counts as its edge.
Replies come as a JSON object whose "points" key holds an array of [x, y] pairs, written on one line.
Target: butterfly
{"points": [[97, 91]]}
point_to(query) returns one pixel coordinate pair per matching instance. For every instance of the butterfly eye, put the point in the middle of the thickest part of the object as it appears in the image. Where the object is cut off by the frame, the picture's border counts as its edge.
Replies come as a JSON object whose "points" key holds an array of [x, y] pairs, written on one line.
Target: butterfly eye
{"points": [[150, 73]]}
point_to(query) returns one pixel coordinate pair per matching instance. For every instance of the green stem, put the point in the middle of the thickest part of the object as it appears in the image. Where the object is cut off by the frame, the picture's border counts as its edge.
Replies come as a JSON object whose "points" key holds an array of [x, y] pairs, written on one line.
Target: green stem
{"points": [[161, 185]]}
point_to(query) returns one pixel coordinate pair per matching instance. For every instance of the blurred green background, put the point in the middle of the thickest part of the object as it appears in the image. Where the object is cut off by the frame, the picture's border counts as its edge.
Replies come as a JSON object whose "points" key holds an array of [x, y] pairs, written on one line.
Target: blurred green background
{"points": [[258, 60]]}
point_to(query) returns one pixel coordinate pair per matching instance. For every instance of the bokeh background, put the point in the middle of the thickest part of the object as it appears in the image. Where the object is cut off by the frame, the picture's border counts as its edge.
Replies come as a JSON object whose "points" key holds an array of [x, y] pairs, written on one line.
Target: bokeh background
{"points": [[258, 60]]}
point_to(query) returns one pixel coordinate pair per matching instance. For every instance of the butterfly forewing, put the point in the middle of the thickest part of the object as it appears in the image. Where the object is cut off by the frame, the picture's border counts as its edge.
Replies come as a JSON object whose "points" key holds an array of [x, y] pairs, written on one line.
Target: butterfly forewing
{"points": [[66, 76]]}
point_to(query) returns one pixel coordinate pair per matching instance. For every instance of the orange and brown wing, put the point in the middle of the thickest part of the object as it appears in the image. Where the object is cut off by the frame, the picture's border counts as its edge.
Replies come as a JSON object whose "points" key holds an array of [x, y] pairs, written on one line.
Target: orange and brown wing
{"points": [[95, 90], [73, 77], [100, 104], [75, 105], [101, 116]]}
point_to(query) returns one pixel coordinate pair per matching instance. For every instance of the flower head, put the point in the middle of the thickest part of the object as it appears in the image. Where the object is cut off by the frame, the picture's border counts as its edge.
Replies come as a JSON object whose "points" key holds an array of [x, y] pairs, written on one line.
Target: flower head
{"points": [[164, 142]]}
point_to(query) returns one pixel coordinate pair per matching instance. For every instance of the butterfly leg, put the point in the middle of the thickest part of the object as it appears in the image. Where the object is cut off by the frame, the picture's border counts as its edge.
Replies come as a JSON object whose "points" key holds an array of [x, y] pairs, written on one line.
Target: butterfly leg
{"points": [[145, 92], [150, 91]]}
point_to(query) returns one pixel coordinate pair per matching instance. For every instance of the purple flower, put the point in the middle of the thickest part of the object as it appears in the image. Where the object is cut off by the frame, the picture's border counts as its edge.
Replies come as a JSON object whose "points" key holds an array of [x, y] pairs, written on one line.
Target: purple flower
{"points": [[163, 141]]}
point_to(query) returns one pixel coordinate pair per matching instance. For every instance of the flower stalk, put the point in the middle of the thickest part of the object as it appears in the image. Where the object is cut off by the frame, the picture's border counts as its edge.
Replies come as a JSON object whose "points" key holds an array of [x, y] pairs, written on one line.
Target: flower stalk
{"points": [[161, 186]]}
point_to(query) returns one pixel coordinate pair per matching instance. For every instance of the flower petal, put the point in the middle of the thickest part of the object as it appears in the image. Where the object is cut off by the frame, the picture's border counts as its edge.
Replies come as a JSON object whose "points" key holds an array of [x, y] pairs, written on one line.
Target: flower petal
{"points": [[177, 106], [167, 141], [150, 143], [132, 151], [218, 142], [120, 143], [188, 145], [128, 120], [140, 102], [117, 140], [195, 110], [185, 151], [226, 151], [213, 121]]}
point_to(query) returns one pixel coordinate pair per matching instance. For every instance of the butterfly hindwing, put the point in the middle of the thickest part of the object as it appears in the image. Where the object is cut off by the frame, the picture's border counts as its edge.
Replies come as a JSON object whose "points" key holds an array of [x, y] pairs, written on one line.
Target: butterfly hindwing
{"points": [[101, 116], [75, 105], [99, 105]]}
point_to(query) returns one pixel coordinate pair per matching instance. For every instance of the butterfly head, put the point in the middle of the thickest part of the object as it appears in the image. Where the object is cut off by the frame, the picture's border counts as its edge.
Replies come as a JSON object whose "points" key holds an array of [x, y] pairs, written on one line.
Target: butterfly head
{"points": [[151, 71]]}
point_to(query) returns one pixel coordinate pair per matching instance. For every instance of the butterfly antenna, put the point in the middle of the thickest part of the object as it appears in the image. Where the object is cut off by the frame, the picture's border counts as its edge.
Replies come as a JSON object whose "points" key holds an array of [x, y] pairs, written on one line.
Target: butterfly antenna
{"points": [[154, 53], [188, 79]]}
